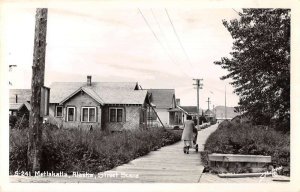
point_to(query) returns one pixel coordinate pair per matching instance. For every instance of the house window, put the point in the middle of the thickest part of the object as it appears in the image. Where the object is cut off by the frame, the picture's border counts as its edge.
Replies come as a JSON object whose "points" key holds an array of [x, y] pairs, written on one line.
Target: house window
{"points": [[88, 114], [116, 114], [70, 113], [59, 111]]}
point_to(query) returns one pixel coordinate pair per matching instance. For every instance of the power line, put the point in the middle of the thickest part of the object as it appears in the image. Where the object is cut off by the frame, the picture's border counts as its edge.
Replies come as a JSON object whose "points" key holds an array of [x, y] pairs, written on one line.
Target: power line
{"points": [[151, 28], [177, 36], [235, 11], [161, 44], [162, 32]]}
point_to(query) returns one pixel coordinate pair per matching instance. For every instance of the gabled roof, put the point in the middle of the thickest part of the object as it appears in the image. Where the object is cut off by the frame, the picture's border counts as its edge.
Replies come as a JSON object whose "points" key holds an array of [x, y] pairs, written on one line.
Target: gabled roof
{"points": [[18, 106], [15, 106], [190, 109], [208, 112], [88, 91], [162, 98], [23, 95], [106, 92]]}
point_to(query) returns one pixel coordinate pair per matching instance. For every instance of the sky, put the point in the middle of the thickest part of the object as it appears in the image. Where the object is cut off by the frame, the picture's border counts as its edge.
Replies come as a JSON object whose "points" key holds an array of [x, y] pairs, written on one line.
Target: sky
{"points": [[117, 44]]}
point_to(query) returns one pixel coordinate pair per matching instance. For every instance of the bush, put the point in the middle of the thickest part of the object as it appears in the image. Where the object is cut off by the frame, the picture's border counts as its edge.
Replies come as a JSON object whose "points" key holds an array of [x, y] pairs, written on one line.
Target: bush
{"points": [[252, 140], [12, 120], [93, 152], [21, 123]]}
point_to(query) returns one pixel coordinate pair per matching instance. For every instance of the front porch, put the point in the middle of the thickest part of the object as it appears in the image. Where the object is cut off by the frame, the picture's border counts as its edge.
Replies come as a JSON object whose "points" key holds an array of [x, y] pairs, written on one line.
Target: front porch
{"points": [[176, 117]]}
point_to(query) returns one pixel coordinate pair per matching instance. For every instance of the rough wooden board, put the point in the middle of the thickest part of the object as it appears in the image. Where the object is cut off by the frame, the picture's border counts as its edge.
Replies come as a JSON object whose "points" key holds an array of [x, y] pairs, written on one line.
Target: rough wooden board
{"points": [[239, 158], [241, 175]]}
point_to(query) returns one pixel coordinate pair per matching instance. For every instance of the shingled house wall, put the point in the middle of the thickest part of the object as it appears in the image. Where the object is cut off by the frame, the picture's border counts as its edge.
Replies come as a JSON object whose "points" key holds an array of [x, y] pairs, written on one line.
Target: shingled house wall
{"points": [[131, 118], [78, 101], [131, 115]]}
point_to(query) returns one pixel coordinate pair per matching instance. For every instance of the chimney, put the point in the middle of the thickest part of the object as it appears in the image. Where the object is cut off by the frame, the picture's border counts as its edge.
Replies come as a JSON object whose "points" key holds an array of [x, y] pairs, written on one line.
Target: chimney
{"points": [[89, 80], [178, 102], [136, 86], [16, 98]]}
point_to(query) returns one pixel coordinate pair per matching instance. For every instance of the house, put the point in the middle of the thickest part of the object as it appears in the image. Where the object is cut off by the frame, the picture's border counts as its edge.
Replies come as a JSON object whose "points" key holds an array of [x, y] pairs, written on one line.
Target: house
{"points": [[19, 102], [209, 115], [189, 111], [164, 106], [112, 106]]}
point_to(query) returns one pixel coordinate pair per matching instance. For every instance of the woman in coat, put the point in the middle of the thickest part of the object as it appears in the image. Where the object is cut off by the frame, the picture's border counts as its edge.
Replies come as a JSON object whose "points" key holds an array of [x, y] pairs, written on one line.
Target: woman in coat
{"points": [[189, 130]]}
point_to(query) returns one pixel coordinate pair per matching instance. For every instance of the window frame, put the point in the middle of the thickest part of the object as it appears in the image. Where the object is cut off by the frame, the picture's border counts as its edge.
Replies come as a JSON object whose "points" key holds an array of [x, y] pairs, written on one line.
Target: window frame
{"points": [[88, 121], [116, 110], [62, 110], [68, 113]]}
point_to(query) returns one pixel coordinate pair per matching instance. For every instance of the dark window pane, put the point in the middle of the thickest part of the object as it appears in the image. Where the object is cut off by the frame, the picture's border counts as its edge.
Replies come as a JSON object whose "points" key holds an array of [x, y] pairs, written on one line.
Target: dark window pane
{"points": [[92, 115], [70, 114], [85, 114], [112, 115], [120, 114], [59, 111]]}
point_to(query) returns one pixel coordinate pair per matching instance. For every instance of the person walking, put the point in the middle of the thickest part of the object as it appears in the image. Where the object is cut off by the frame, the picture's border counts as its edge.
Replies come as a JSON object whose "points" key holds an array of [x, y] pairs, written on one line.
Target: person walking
{"points": [[189, 130]]}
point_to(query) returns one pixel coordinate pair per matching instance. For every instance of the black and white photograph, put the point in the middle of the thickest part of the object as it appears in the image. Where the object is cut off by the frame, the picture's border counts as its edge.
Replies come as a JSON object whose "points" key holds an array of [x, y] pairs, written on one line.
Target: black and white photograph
{"points": [[99, 92]]}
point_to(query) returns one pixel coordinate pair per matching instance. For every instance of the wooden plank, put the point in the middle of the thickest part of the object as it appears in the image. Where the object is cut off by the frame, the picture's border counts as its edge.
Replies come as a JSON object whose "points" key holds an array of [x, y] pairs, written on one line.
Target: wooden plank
{"points": [[239, 158], [241, 175]]}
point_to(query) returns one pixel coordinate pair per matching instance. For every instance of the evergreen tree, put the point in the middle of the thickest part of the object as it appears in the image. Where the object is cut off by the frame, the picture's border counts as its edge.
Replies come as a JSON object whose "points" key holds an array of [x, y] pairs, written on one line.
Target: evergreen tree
{"points": [[259, 65]]}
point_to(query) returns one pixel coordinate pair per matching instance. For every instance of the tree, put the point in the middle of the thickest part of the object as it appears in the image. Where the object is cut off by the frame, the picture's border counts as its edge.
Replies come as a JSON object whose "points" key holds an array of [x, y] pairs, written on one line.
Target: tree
{"points": [[259, 65]]}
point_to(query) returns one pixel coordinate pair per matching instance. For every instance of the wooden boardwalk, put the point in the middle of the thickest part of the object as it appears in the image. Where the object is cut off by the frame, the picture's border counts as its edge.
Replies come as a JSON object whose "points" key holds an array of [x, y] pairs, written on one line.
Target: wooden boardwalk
{"points": [[166, 165]]}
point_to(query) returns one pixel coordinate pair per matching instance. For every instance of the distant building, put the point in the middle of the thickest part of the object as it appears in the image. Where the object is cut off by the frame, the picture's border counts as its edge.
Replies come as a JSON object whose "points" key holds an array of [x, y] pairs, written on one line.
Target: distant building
{"points": [[189, 111], [19, 102], [209, 115], [165, 107]]}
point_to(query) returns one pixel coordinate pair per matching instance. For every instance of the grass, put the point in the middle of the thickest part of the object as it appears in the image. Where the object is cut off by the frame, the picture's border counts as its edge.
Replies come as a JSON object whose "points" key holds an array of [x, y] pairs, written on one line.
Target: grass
{"points": [[93, 152], [241, 138]]}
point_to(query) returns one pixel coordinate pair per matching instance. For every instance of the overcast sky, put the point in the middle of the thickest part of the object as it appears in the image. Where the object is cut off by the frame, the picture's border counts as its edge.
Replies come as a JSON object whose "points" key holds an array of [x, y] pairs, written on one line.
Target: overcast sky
{"points": [[116, 44]]}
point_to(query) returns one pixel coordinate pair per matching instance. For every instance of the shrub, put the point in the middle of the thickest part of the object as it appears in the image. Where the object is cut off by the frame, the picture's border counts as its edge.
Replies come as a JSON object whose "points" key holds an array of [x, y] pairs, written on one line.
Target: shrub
{"points": [[12, 120], [18, 122], [252, 140], [93, 151]]}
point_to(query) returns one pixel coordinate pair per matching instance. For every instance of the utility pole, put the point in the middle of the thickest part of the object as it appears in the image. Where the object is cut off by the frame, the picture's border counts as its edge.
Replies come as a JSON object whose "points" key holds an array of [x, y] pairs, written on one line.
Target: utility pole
{"points": [[198, 86], [225, 104], [208, 101], [37, 82]]}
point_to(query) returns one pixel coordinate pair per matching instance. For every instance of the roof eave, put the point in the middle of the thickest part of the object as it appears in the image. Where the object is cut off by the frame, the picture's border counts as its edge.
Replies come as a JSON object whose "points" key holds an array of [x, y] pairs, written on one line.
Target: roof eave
{"points": [[75, 92]]}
